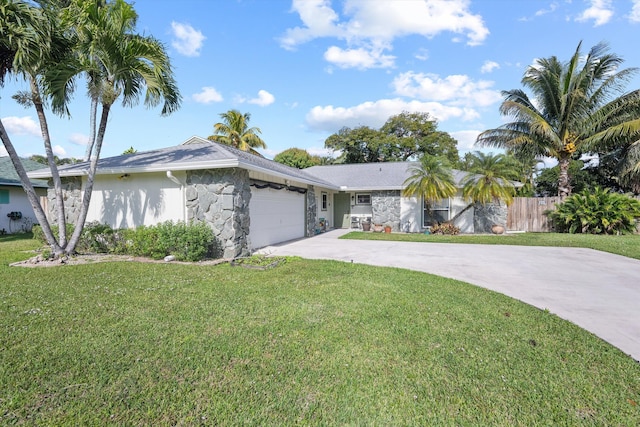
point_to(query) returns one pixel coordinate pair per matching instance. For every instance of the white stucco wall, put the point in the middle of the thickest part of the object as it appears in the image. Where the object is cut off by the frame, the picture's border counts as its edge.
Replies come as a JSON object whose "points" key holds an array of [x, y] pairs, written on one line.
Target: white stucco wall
{"points": [[411, 211], [19, 202], [465, 221], [128, 202]]}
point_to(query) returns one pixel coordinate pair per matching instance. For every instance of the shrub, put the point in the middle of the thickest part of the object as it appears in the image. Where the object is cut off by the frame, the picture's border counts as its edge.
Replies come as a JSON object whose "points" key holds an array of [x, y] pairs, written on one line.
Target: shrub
{"points": [[38, 234], [446, 228], [187, 242], [596, 212]]}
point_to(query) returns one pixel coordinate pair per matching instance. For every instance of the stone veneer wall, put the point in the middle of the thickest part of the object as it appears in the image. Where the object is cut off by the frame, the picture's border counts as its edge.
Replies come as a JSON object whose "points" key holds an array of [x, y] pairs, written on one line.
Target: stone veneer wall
{"points": [[72, 195], [386, 208], [312, 211], [220, 197], [487, 215]]}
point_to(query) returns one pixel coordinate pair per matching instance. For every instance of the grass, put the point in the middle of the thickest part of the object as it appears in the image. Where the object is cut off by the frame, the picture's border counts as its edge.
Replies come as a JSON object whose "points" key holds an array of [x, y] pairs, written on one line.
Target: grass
{"points": [[626, 245], [308, 342]]}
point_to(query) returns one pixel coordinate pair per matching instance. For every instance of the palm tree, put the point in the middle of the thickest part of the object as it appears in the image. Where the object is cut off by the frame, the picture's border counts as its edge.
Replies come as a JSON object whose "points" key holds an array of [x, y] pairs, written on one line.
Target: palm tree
{"points": [[431, 179], [488, 180], [574, 110], [28, 43], [235, 131], [117, 63]]}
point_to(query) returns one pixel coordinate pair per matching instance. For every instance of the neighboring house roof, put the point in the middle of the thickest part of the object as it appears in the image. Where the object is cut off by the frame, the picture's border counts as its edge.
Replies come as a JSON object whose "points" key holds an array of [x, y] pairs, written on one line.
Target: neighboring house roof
{"points": [[9, 176], [370, 176], [196, 153]]}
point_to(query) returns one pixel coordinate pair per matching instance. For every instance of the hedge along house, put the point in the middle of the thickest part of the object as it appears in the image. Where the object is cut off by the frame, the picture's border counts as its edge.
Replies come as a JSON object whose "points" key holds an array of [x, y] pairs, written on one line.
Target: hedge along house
{"points": [[248, 201], [16, 213], [374, 191]]}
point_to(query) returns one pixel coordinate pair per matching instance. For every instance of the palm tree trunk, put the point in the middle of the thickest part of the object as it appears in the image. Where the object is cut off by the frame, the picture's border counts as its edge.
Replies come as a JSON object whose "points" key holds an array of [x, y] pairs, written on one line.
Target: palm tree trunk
{"points": [[31, 193], [564, 188], [55, 176], [92, 127], [459, 214], [88, 188]]}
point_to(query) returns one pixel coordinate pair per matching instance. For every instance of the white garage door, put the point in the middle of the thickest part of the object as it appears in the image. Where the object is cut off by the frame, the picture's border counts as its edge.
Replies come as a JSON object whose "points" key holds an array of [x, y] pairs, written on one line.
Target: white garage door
{"points": [[276, 216]]}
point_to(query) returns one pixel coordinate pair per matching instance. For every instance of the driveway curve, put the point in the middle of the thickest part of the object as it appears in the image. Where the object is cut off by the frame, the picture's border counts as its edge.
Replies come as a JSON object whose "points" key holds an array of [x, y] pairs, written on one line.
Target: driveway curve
{"points": [[597, 291]]}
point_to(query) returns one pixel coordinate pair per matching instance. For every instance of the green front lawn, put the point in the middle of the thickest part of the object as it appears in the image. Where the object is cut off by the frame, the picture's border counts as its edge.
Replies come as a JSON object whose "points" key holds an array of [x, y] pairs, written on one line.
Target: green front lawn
{"points": [[627, 245], [308, 342]]}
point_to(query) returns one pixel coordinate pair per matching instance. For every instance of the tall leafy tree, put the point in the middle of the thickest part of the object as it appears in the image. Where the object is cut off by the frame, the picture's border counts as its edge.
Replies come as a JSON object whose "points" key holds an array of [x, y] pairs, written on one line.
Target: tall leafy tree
{"points": [[234, 130], [297, 158], [100, 45], [403, 137], [576, 107]]}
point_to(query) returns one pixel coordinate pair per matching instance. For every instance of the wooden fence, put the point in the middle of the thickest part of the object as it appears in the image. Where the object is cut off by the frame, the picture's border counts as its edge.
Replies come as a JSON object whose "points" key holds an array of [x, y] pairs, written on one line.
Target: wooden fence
{"points": [[527, 213]]}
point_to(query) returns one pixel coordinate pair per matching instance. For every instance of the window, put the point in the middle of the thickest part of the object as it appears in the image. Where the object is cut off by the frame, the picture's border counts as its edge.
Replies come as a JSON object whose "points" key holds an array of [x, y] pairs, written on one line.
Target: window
{"points": [[323, 201], [363, 199], [4, 197], [436, 212]]}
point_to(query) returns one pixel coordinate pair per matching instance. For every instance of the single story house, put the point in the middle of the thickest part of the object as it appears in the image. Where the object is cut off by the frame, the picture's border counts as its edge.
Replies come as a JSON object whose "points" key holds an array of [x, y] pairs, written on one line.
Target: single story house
{"points": [[16, 213], [249, 201]]}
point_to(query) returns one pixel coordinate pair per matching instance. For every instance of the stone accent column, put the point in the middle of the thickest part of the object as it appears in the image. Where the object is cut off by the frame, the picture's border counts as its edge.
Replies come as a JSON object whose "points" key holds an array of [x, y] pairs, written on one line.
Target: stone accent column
{"points": [[487, 215], [386, 208], [72, 196], [220, 197], [312, 211]]}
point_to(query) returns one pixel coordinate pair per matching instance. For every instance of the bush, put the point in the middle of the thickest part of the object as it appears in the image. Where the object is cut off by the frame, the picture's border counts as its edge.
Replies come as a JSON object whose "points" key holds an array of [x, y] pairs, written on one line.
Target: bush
{"points": [[38, 234], [596, 212], [187, 242], [446, 228]]}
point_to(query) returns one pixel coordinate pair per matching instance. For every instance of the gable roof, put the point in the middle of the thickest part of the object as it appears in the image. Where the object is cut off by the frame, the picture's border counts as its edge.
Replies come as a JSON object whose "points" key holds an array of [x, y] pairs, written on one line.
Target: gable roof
{"points": [[9, 176], [370, 176], [194, 154]]}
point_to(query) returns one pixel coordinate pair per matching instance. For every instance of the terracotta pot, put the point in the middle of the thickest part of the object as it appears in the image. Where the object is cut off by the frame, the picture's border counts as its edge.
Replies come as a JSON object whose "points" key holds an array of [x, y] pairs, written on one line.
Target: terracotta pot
{"points": [[366, 226], [387, 229], [497, 229]]}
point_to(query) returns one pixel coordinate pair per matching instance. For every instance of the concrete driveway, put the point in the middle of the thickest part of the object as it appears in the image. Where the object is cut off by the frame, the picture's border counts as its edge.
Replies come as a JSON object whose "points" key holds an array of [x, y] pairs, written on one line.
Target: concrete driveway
{"points": [[597, 291]]}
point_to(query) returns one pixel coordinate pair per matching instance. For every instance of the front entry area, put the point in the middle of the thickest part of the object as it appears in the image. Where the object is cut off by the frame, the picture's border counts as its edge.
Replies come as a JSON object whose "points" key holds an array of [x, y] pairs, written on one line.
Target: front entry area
{"points": [[342, 210]]}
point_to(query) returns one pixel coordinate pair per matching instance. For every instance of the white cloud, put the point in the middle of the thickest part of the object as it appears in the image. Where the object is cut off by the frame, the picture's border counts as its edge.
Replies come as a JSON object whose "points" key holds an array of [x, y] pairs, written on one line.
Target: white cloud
{"points": [[422, 54], [455, 89], [489, 66], [21, 126], [3, 151], [59, 151], [466, 139], [79, 139], [207, 95], [600, 12], [358, 58], [264, 98], [320, 151], [634, 16], [188, 41], [375, 113], [373, 25]]}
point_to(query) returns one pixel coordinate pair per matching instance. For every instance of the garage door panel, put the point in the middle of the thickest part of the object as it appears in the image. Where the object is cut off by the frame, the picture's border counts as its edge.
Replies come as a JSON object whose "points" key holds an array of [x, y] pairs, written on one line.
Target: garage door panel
{"points": [[276, 216]]}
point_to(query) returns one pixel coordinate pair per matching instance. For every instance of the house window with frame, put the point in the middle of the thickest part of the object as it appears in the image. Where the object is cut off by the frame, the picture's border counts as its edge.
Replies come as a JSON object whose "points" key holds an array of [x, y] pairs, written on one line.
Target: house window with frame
{"points": [[436, 212], [324, 201], [363, 199], [4, 197]]}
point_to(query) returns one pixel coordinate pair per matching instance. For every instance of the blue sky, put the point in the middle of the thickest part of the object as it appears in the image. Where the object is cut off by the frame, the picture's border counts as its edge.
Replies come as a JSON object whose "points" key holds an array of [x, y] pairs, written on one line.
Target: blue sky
{"points": [[304, 69]]}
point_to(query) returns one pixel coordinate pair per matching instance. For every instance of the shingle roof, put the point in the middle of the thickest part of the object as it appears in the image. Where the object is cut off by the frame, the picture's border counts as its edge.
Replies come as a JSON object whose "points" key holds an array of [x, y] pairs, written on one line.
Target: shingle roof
{"points": [[369, 176], [9, 176], [195, 153]]}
